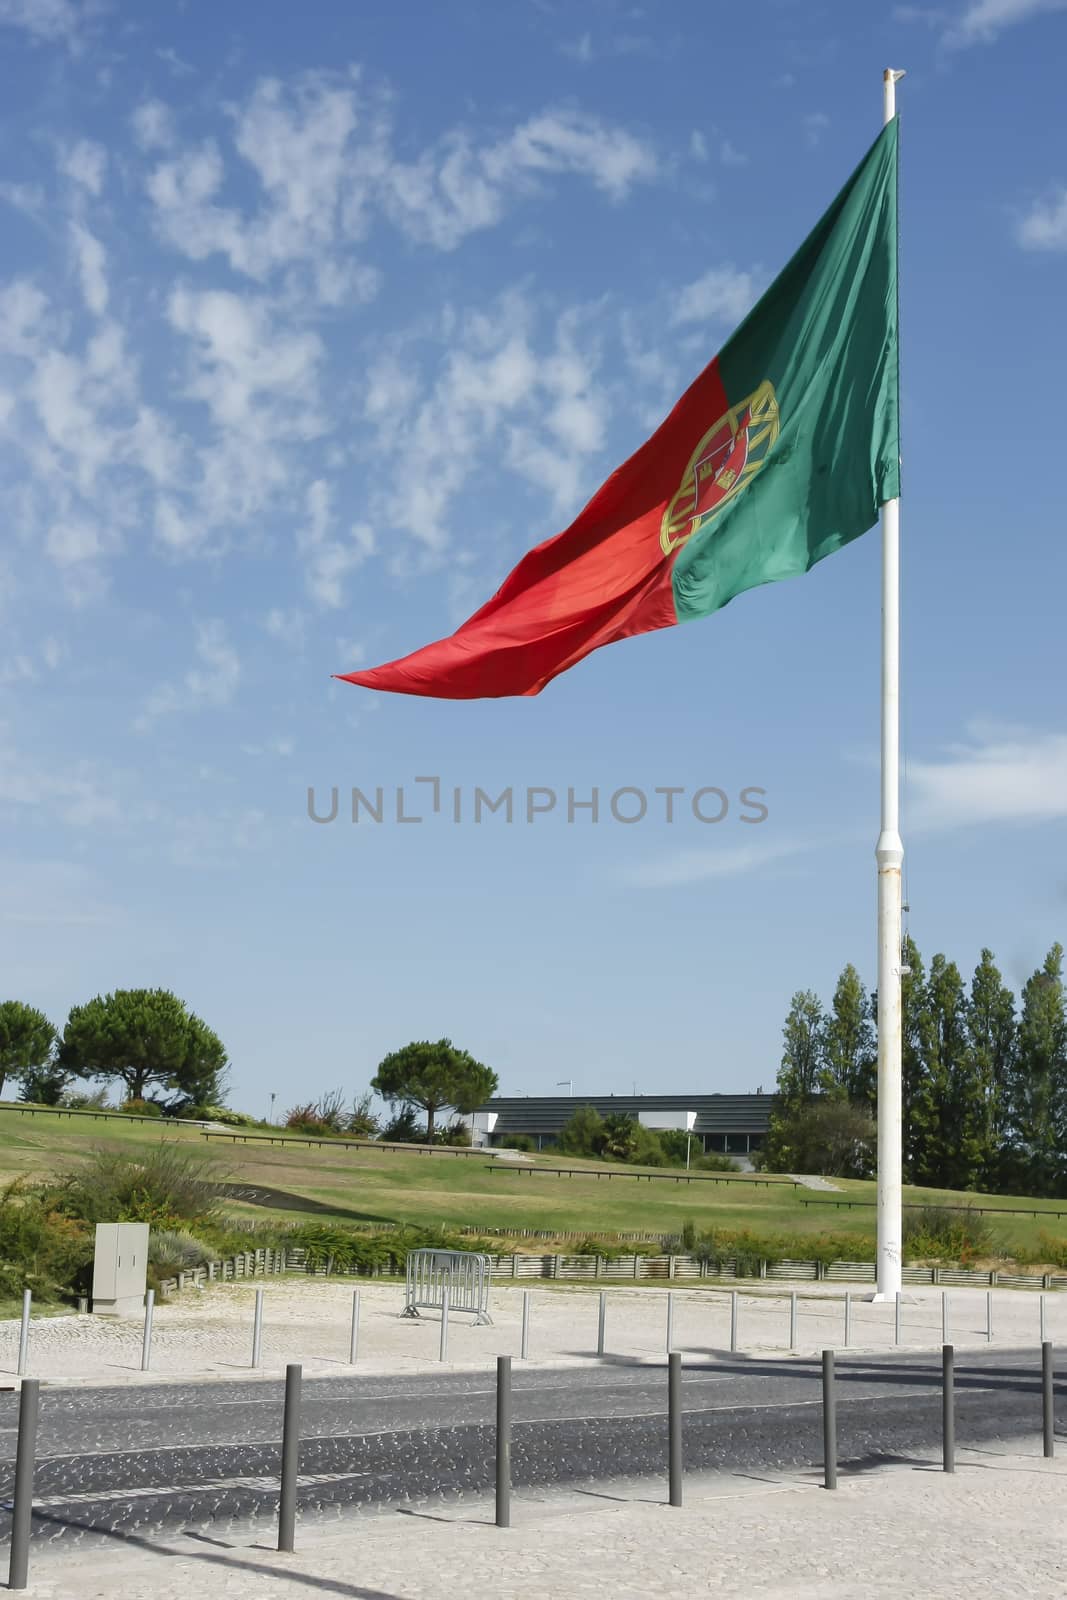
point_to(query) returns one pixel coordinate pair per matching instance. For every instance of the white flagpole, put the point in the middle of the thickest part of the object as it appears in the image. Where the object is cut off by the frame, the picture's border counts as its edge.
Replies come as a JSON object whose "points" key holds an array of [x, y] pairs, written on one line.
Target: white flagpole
{"points": [[890, 857]]}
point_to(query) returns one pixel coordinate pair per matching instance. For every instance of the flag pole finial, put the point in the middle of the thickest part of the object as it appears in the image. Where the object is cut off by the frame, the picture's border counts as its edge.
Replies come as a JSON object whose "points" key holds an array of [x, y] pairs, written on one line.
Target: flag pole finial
{"points": [[890, 78]]}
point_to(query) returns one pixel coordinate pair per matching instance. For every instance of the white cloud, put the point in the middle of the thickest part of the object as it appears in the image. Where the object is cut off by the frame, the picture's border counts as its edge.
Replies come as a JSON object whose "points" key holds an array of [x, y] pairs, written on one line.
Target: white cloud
{"points": [[493, 394], [286, 626], [698, 146], [85, 163], [699, 866], [574, 141], [71, 543], [328, 559], [51, 894], [22, 316], [722, 294], [43, 19], [153, 125], [25, 197], [983, 20], [70, 792], [244, 368], [210, 683], [580, 49], [1045, 225], [277, 745], [815, 125], [91, 260], [322, 151], [730, 156], [1000, 776]]}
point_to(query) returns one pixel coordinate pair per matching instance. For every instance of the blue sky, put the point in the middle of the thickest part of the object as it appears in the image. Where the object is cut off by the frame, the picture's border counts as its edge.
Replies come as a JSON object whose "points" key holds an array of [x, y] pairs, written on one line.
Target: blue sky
{"points": [[312, 320]]}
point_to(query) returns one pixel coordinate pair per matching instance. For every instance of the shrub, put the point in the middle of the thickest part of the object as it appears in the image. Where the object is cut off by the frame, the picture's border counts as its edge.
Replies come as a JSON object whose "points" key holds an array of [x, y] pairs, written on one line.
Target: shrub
{"points": [[361, 1121], [1051, 1248], [40, 1248], [600, 1247], [172, 1250], [213, 1113], [141, 1108], [937, 1234], [166, 1187], [457, 1134], [86, 1100], [715, 1161], [325, 1115], [519, 1141], [403, 1128]]}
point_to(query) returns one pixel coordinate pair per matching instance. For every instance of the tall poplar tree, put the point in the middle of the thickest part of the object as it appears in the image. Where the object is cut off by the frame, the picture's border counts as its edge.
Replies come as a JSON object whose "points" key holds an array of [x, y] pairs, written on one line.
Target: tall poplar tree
{"points": [[850, 1056], [1038, 1091], [992, 1033], [800, 1075]]}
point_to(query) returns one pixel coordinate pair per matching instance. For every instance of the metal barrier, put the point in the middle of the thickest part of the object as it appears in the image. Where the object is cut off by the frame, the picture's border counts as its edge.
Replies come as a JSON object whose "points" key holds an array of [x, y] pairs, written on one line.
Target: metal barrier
{"points": [[466, 1277]]}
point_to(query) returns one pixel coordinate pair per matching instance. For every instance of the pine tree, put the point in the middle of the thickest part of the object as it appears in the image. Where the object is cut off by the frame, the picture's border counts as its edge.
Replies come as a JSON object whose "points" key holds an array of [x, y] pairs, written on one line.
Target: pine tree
{"points": [[993, 1037], [849, 1052]]}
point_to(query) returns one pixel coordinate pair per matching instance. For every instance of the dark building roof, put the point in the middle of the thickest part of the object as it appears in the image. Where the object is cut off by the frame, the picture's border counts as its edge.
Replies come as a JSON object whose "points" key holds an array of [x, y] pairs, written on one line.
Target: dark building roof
{"points": [[715, 1113]]}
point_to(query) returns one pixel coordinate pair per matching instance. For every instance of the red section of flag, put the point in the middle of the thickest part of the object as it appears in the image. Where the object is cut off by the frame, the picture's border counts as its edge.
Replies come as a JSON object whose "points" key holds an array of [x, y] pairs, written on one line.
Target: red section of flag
{"points": [[604, 578]]}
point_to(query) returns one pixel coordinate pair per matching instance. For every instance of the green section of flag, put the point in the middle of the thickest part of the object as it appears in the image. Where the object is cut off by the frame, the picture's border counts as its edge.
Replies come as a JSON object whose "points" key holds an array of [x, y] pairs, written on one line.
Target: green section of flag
{"points": [[825, 337]]}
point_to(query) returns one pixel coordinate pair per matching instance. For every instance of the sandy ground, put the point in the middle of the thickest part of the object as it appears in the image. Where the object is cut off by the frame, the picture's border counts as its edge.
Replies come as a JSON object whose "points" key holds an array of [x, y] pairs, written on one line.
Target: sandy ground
{"points": [[308, 1320], [995, 1529]]}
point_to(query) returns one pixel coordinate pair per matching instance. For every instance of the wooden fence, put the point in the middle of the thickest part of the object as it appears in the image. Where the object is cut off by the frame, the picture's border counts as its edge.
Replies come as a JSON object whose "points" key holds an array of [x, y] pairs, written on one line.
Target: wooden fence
{"points": [[632, 1269]]}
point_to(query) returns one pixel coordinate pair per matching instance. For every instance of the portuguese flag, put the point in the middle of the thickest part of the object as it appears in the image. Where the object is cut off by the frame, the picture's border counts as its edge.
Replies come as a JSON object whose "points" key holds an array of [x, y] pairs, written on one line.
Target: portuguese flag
{"points": [[778, 454]]}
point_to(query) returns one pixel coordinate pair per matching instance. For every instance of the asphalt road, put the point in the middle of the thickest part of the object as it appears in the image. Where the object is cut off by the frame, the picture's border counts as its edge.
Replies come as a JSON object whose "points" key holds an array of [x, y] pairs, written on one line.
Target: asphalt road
{"points": [[161, 1457]]}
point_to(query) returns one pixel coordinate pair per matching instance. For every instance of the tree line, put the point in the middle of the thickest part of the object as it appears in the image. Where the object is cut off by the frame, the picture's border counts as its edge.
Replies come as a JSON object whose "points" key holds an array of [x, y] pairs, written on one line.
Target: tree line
{"points": [[146, 1041], [165, 1059], [984, 1078]]}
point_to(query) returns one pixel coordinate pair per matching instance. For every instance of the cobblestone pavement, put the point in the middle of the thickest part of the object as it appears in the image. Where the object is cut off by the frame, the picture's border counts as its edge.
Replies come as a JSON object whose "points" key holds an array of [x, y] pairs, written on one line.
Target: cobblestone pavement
{"points": [[307, 1320], [994, 1531], [205, 1456]]}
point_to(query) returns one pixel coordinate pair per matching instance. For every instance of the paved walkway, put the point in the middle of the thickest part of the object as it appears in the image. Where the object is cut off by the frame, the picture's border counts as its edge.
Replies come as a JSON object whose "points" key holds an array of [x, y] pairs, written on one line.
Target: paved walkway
{"points": [[995, 1531], [308, 1319]]}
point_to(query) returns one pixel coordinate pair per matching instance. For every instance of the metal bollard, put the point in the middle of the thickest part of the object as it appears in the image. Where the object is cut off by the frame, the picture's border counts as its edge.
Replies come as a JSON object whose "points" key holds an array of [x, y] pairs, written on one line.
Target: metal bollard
{"points": [[948, 1408], [1048, 1402], [24, 1331], [733, 1320], [525, 1346], [848, 1318], [989, 1315], [602, 1318], [674, 1427], [146, 1341], [22, 1507], [503, 1441], [896, 1318], [1044, 1332], [944, 1316], [442, 1354], [353, 1343], [257, 1328], [290, 1459], [670, 1321], [793, 1319], [829, 1422]]}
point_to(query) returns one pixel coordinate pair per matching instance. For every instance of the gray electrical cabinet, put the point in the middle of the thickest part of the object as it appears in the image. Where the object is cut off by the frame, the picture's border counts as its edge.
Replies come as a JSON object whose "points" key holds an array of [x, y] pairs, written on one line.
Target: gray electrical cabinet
{"points": [[120, 1268]]}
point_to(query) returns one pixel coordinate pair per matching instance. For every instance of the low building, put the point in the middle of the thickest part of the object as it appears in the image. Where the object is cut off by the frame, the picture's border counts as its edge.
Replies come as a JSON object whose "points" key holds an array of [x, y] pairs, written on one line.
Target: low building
{"points": [[731, 1124]]}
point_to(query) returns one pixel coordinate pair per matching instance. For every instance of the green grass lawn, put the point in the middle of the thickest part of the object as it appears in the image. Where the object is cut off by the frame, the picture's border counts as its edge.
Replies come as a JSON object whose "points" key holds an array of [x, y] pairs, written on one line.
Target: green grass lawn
{"points": [[353, 1186]]}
